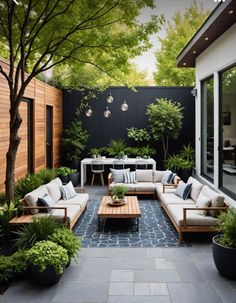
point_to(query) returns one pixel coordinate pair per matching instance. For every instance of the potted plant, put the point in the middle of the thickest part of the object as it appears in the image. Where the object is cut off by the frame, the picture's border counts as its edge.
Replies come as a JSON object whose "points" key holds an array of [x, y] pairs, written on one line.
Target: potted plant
{"points": [[74, 141], [224, 245], [65, 238], [47, 261], [67, 174], [117, 149], [118, 193]]}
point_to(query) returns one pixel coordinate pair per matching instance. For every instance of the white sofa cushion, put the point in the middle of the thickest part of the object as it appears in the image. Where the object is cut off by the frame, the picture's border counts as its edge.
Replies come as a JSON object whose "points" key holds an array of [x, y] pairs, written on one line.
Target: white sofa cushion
{"points": [[145, 186], [67, 191], [72, 212], [193, 216], [158, 175], [53, 188], [203, 201], [79, 199], [144, 175], [31, 198], [195, 189], [170, 198], [118, 174], [129, 186], [217, 200]]}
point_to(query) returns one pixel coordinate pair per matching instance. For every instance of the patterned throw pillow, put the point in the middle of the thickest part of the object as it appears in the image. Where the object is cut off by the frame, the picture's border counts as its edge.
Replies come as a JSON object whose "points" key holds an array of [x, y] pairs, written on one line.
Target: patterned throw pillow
{"points": [[129, 177], [67, 191], [183, 190], [168, 178], [46, 201], [118, 174]]}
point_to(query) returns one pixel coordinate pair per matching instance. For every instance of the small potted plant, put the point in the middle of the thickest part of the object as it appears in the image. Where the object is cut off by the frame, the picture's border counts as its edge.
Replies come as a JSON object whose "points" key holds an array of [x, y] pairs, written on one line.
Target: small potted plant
{"points": [[67, 174], [224, 245], [65, 238], [47, 261], [118, 193]]}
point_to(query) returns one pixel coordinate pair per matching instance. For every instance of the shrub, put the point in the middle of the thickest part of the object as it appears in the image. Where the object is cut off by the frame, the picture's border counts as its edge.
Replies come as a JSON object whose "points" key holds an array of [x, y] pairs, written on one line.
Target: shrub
{"points": [[46, 175], [138, 135], [6, 214], [227, 225], [65, 238], [119, 191], [25, 185], [11, 265], [40, 229], [116, 148], [48, 253], [64, 171]]}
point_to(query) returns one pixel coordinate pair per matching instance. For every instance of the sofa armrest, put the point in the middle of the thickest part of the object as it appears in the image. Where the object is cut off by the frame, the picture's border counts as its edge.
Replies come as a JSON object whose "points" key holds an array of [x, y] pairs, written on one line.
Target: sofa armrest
{"points": [[168, 186], [185, 209], [48, 207]]}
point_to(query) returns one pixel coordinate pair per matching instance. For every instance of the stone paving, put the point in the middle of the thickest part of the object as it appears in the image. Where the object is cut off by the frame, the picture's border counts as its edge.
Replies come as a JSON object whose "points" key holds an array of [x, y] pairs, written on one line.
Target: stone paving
{"points": [[155, 229], [133, 275]]}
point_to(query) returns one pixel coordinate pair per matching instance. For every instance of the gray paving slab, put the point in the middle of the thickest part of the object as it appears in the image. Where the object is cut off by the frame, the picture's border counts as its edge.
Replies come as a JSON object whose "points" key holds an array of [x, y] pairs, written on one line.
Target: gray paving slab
{"points": [[26, 291], [81, 292], [132, 263], [122, 275], [188, 272], [141, 289], [182, 292], [225, 291], [156, 275], [139, 299], [206, 293], [155, 252], [121, 289]]}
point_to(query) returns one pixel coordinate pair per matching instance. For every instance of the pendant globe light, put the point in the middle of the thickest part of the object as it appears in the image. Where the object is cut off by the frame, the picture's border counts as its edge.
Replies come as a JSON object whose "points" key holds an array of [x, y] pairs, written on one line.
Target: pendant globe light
{"points": [[107, 113], [110, 98], [89, 112], [124, 106]]}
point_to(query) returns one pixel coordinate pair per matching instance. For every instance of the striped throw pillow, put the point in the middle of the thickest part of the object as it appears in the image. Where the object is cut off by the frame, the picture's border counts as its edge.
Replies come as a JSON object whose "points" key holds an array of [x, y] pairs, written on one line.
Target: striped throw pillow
{"points": [[67, 191], [129, 177]]}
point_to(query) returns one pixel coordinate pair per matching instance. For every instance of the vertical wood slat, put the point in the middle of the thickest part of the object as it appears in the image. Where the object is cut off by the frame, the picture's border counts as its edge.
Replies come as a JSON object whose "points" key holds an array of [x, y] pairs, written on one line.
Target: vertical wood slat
{"points": [[41, 94]]}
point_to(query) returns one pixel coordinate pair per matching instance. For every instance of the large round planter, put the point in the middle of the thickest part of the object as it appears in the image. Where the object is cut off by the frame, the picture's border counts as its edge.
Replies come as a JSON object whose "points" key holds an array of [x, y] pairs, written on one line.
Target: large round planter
{"points": [[46, 277], [224, 258], [74, 178]]}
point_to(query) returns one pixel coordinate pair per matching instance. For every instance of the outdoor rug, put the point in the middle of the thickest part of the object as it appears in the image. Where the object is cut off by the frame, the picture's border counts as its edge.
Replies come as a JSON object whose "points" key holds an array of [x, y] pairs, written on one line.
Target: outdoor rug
{"points": [[155, 229]]}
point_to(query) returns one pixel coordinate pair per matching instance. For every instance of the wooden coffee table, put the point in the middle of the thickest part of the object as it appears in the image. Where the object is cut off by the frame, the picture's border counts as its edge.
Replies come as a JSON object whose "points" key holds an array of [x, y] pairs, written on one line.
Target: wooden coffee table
{"points": [[129, 210]]}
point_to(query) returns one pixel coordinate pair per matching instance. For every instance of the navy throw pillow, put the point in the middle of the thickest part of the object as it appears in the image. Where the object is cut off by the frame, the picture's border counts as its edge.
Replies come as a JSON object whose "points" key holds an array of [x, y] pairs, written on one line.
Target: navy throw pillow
{"points": [[183, 190]]}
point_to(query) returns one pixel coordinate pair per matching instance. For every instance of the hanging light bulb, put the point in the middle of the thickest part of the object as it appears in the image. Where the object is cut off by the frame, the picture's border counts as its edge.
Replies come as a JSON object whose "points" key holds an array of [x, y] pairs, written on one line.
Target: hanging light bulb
{"points": [[110, 98], [89, 112], [107, 113], [124, 106]]}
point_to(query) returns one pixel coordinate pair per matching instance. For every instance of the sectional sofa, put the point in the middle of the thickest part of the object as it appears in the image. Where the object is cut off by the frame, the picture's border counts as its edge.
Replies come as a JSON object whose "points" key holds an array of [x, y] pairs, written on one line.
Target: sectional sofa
{"points": [[186, 215], [67, 211]]}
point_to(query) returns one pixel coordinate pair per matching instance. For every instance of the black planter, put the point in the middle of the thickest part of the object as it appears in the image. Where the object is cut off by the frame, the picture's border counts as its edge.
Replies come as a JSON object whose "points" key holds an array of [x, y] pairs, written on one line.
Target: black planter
{"points": [[74, 178], [224, 258], [74, 164], [47, 277], [184, 174], [64, 179]]}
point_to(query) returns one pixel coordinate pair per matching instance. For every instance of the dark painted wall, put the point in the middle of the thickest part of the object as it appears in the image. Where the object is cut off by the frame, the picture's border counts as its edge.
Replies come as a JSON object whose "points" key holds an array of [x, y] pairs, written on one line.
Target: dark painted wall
{"points": [[102, 130]]}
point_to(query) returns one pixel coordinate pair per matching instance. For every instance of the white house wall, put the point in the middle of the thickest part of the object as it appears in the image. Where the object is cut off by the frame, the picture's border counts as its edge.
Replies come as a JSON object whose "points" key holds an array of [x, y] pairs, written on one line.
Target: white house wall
{"points": [[218, 56]]}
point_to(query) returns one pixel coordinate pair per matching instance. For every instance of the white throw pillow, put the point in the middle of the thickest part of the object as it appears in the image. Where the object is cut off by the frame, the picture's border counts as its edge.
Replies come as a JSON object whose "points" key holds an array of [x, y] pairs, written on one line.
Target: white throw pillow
{"points": [[144, 175], [68, 191], [129, 177], [203, 201], [217, 200], [54, 190], [196, 188], [158, 175]]}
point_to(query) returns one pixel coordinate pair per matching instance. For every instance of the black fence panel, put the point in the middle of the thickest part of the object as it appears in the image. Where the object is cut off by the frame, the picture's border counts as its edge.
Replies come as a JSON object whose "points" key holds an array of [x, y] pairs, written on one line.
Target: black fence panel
{"points": [[101, 130]]}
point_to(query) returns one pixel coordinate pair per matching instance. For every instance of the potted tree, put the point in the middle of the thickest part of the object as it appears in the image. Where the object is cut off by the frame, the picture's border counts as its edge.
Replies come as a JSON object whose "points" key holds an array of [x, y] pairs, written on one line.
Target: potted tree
{"points": [[47, 261], [74, 141], [224, 245], [118, 193]]}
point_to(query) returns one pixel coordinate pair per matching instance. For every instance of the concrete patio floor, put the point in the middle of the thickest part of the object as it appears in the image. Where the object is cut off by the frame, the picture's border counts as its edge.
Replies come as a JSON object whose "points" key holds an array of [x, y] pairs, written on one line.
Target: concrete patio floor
{"points": [[133, 275]]}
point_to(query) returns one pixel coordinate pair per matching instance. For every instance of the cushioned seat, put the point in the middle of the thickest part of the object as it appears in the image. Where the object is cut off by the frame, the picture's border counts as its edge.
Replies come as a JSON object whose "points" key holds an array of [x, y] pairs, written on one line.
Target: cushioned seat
{"points": [[130, 186], [79, 199], [72, 211], [194, 218], [173, 199], [145, 186]]}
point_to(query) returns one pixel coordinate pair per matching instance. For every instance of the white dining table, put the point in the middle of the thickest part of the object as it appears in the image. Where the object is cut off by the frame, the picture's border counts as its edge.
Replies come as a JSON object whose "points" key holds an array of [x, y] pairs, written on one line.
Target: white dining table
{"points": [[109, 161]]}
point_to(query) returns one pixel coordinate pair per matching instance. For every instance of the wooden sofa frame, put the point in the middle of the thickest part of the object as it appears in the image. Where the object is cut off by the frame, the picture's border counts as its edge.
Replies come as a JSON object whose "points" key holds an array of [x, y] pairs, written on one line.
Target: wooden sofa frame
{"points": [[189, 228]]}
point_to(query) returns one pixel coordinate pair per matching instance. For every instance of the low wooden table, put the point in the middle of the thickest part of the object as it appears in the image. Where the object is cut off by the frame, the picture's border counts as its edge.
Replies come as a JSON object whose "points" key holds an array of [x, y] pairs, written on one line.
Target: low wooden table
{"points": [[129, 210]]}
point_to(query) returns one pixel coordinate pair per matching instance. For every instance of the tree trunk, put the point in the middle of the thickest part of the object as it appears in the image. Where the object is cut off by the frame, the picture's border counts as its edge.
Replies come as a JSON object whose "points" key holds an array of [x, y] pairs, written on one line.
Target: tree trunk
{"points": [[14, 141]]}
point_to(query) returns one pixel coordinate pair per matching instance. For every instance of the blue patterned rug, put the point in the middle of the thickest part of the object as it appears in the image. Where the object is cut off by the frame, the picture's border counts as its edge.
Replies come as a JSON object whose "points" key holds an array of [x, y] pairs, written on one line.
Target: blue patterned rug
{"points": [[155, 228]]}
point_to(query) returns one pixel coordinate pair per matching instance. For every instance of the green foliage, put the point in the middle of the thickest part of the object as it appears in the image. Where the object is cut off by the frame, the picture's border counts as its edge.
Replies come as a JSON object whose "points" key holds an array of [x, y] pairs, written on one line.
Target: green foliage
{"points": [[132, 151], [138, 135], [64, 171], [178, 33], [95, 151], [46, 175], [187, 152], [119, 191], [227, 226], [116, 148], [165, 119], [11, 265], [183, 160], [48, 253], [146, 151], [65, 238], [40, 229], [7, 212], [74, 140]]}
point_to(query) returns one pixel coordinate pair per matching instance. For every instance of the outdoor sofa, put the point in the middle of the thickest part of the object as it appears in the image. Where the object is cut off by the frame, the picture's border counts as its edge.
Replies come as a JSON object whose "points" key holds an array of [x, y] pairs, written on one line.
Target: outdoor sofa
{"points": [[66, 211], [190, 215]]}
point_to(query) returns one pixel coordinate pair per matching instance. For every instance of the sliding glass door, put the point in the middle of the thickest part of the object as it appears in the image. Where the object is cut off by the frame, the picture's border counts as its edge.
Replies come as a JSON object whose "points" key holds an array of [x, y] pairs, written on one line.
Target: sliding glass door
{"points": [[228, 130], [207, 128]]}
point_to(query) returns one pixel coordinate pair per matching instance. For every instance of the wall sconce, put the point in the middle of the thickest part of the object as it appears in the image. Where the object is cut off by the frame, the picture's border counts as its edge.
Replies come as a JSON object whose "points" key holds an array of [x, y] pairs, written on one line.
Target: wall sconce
{"points": [[194, 92]]}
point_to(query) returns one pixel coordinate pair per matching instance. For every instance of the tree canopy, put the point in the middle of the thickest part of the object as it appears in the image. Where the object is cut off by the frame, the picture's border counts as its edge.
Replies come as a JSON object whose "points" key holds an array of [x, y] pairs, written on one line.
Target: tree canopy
{"points": [[178, 33]]}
